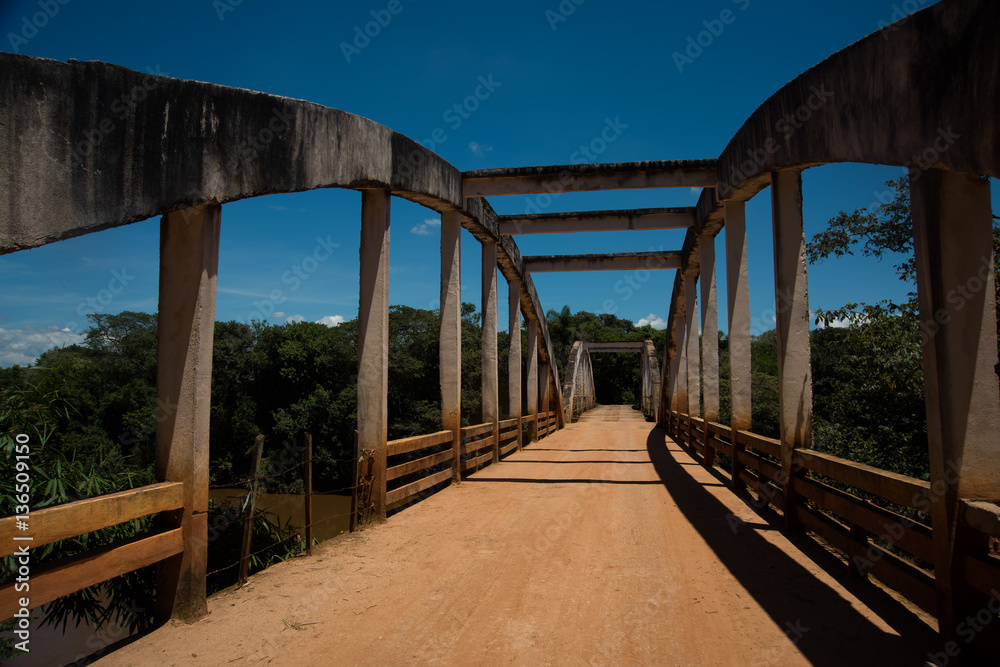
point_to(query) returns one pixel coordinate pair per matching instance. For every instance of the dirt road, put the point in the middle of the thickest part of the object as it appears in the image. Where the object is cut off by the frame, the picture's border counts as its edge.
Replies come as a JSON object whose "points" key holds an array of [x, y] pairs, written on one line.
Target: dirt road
{"points": [[603, 544]]}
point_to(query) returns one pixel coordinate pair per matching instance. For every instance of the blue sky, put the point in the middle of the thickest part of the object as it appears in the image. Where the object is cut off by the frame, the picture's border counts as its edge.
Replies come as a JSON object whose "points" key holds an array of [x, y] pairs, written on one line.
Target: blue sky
{"points": [[559, 72]]}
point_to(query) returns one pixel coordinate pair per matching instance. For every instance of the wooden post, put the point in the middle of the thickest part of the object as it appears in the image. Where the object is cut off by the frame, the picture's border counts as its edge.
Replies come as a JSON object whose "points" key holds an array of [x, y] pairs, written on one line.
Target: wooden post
{"points": [[309, 492], [450, 345], [952, 240], [258, 449], [792, 306], [373, 341], [189, 260], [738, 298]]}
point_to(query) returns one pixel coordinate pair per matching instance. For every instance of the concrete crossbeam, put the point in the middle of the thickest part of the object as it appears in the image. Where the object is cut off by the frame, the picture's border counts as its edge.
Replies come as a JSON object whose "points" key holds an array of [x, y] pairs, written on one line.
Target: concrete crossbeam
{"points": [[603, 262], [599, 221], [588, 177], [617, 347]]}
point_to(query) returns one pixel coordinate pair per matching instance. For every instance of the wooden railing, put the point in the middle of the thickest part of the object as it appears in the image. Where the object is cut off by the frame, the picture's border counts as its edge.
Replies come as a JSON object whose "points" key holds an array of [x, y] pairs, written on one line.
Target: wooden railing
{"points": [[877, 519], [69, 575], [425, 461]]}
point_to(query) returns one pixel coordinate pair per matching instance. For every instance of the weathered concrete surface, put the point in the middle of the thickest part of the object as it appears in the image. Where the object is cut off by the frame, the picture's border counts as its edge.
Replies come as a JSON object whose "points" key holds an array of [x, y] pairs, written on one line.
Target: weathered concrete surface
{"points": [[952, 240], [709, 329], [450, 343], [95, 145], [514, 354], [531, 381], [922, 92], [189, 263], [605, 545], [693, 346], [588, 177], [489, 352], [636, 261], [738, 299], [373, 340], [791, 289], [598, 221], [623, 346], [89, 146]]}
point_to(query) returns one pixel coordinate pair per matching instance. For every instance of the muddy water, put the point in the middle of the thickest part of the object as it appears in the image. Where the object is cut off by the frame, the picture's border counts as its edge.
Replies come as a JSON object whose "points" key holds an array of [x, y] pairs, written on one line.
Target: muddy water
{"points": [[331, 514]]}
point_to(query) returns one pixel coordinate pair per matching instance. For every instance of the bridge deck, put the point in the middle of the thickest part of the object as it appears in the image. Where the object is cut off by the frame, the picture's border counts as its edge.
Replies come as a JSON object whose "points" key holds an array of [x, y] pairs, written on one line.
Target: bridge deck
{"points": [[605, 543]]}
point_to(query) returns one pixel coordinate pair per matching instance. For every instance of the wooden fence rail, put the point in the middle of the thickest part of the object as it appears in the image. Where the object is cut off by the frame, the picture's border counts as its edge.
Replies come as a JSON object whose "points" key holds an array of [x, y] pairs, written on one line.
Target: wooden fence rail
{"points": [[874, 535]]}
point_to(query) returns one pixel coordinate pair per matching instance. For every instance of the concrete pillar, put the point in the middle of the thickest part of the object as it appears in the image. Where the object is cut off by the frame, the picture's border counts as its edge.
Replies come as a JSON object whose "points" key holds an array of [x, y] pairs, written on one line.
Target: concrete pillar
{"points": [[792, 305], [693, 346], [682, 363], [373, 342], [514, 356], [709, 328], [531, 382], [738, 296], [189, 261], [491, 375], [543, 386], [450, 345], [952, 239]]}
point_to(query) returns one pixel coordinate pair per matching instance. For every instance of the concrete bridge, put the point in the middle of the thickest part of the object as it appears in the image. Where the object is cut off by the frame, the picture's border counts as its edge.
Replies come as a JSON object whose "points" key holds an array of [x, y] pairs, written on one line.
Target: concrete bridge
{"points": [[883, 101]]}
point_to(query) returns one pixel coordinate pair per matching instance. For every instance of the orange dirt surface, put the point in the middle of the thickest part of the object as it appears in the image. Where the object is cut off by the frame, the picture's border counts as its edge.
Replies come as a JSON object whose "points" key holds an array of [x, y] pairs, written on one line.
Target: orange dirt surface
{"points": [[604, 544]]}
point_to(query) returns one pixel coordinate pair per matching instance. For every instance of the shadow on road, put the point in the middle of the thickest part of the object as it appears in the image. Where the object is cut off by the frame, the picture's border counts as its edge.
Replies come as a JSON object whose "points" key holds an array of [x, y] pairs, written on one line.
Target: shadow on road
{"points": [[826, 627]]}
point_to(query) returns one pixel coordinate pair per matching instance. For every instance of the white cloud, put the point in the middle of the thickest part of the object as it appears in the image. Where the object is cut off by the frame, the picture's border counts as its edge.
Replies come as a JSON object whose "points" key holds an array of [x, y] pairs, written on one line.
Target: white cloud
{"points": [[278, 314], [294, 319], [654, 321], [839, 324], [331, 320], [23, 346], [425, 227], [479, 149]]}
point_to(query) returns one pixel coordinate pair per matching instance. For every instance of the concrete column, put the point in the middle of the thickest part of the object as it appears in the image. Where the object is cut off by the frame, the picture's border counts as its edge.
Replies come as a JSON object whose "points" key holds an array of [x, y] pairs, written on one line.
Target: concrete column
{"points": [[792, 305], [491, 376], [952, 239], [693, 346], [738, 296], [531, 382], [543, 386], [450, 345], [514, 356], [189, 262], [709, 328], [373, 342], [681, 375]]}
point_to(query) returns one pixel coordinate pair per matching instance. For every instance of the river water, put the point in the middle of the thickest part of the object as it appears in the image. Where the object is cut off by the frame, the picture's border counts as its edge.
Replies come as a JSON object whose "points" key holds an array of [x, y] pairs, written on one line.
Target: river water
{"points": [[49, 646]]}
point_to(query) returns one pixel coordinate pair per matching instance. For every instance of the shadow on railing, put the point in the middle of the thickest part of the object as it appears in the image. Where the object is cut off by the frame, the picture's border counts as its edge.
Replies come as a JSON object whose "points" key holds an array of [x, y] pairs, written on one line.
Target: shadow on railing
{"points": [[878, 520]]}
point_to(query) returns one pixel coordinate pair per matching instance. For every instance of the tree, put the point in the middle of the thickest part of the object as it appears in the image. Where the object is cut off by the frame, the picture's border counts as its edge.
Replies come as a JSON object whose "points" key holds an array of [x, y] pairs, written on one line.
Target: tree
{"points": [[868, 378]]}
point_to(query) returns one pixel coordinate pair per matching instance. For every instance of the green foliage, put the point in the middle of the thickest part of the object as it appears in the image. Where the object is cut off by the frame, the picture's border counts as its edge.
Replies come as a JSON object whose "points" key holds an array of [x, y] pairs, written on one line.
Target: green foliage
{"points": [[868, 377]]}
